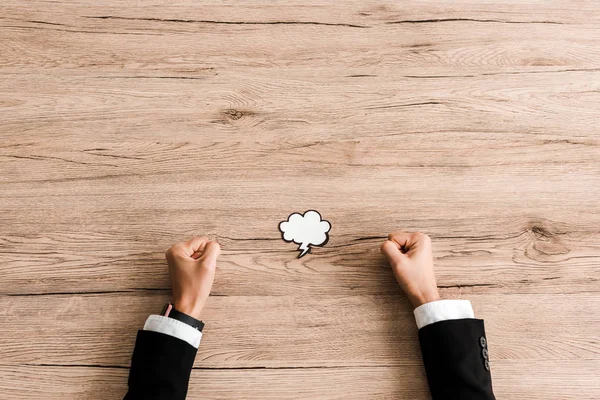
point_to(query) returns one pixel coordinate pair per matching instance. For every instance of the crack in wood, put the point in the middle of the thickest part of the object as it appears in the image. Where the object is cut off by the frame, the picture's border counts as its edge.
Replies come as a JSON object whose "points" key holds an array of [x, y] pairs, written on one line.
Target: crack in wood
{"points": [[45, 23], [91, 292], [151, 77], [72, 365], [427, 21], [405, 105], [34, 157], [111, 155], [245, 239], [207, 21], [467, 285], [262, 367], [502, 73], [370, 238]]}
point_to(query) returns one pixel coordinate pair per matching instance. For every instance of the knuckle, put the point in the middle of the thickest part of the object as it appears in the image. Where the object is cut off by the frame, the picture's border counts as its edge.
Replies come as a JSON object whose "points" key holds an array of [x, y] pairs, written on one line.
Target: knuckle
{"points": [[422, 237], [394, 234], [173, 250], [382, 247]]}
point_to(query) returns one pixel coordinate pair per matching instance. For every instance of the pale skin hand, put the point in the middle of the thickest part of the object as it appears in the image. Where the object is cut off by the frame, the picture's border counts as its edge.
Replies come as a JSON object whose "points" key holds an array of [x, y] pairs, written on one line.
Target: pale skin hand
{"points": [[411, 259], [192, 267]]}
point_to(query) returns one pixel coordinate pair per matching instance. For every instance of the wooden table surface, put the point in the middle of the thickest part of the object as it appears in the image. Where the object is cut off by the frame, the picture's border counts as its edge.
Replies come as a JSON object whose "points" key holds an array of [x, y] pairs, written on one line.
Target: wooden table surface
{"points": [[126, 126]]}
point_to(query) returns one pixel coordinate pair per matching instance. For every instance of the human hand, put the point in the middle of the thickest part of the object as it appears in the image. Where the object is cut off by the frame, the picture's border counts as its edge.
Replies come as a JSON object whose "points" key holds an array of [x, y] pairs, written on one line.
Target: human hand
{"points": [[412, 262], [192, 267]]}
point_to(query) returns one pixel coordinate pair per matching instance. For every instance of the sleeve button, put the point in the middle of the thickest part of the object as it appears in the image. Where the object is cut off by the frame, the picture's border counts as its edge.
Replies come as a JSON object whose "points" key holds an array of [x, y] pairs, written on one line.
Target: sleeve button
{"points": [[487, 365], [484, 353], [482, 342]]}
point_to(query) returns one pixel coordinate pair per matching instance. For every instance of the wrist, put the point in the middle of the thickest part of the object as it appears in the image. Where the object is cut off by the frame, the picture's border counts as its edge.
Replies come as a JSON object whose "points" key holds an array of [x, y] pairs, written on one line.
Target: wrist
{"points": [[418, 299], [191, 308], [170, 311]]}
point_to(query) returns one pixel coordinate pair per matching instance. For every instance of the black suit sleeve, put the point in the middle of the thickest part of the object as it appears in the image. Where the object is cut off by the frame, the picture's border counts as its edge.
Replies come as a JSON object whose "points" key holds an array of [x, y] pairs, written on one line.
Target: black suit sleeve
{"points": [[456, 360], [160, 367]]}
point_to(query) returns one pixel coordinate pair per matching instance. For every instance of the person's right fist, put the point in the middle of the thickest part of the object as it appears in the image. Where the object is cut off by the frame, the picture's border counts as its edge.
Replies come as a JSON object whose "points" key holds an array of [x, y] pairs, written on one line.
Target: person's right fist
{"points": [[411, 259], [192, 267]]}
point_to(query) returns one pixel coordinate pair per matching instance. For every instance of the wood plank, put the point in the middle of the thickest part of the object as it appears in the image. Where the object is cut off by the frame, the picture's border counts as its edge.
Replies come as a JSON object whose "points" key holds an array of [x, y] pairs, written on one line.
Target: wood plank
{"points": [[367, 12], [196, 49], [280, 331], [480, 253], [573, 379], [329, 106]]}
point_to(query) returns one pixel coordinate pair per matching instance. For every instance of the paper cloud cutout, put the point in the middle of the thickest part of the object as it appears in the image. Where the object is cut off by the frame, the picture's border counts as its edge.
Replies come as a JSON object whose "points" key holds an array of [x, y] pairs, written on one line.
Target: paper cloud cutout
{"points": [[306, 230]]}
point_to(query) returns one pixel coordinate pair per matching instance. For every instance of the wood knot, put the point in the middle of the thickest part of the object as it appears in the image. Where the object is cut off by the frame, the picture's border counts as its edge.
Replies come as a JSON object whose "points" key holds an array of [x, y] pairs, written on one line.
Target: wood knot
{"points": [[546, 241], [234, 114], [541, 232]]}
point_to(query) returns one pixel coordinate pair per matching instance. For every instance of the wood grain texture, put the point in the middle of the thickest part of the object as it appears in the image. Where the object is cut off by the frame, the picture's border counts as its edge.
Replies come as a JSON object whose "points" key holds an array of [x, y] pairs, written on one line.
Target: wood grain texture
{"points": [[283, 331], [128, 126], [561, 379]]}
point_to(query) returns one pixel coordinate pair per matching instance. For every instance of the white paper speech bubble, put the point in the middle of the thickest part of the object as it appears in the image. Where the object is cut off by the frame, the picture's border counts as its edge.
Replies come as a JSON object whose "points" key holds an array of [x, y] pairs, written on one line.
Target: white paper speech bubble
{"points": [[306, 230]]}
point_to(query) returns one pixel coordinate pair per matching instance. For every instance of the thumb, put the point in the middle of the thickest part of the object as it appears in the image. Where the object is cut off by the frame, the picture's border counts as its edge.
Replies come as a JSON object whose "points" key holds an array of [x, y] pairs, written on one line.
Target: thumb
{"points": [[211, 253], [392, 252]]}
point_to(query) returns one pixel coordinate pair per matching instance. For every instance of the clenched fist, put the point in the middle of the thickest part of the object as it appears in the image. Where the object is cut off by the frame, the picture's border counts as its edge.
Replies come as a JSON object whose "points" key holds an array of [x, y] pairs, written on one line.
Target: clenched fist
{"points": [[192, 267], [412, 262]]}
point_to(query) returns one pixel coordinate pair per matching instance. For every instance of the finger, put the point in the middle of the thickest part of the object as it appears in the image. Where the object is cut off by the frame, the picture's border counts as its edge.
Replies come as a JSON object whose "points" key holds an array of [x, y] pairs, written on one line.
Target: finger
{"points": [[391, 250], [402, 239], [194, 245], [211, 252], [408, 240]]}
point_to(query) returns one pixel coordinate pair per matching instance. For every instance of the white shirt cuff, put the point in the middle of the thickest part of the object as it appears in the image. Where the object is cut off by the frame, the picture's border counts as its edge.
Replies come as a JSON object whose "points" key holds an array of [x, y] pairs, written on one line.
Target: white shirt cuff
{"points": [[442, 310], [173, 327]]}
